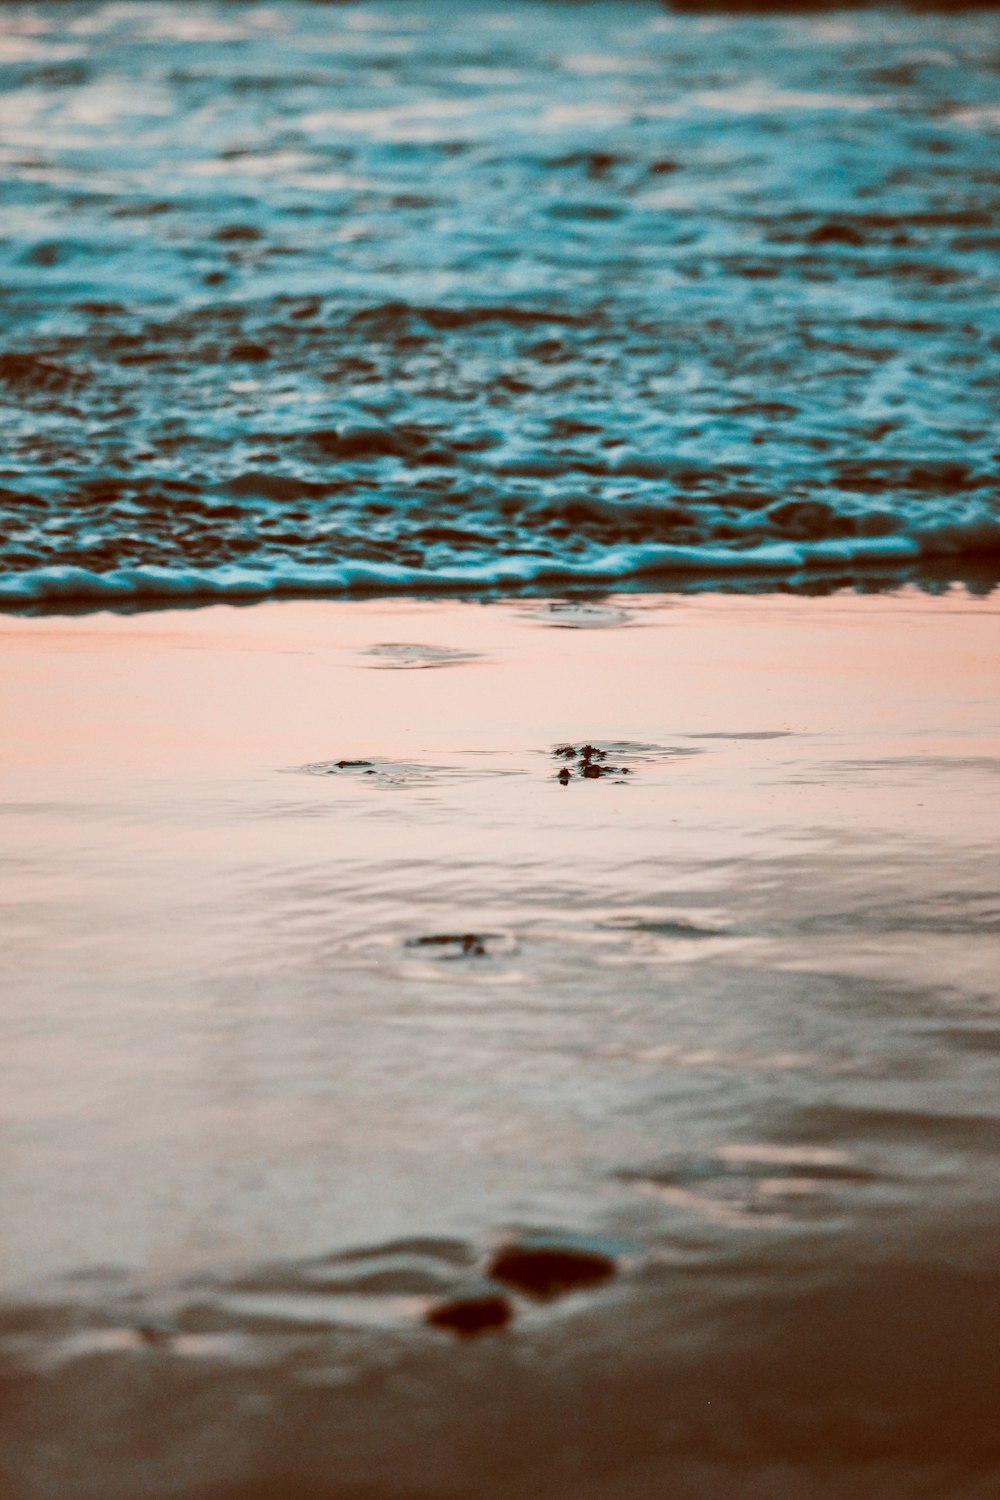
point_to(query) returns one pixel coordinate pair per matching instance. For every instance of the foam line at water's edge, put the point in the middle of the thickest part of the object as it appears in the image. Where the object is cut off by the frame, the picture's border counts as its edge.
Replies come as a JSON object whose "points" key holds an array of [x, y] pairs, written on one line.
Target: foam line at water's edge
{"points": [[285, 577]]}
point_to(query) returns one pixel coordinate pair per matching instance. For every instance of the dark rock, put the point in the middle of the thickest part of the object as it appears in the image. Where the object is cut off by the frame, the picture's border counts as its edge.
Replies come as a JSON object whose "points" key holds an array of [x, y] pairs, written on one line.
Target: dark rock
{"points": [[468, 1317], [546, 1271], [345, 765]]}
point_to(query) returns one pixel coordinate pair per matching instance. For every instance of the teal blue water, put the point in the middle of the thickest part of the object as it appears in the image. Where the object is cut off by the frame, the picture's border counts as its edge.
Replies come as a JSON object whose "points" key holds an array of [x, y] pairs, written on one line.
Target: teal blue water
{"points": [[305, 298]]}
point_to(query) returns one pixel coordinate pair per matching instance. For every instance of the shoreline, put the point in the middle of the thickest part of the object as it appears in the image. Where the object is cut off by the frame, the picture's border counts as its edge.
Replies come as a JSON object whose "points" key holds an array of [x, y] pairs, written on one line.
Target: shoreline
{"points": [[979, 576]]}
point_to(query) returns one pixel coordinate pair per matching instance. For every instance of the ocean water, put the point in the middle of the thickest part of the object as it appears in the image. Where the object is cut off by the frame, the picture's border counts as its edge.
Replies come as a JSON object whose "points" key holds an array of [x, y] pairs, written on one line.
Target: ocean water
{"points": [[308, 298]]}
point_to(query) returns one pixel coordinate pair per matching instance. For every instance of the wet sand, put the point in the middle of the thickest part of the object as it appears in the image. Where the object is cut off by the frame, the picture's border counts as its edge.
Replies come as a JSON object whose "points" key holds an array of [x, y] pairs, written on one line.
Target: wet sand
{"points": [[329, 1005]]}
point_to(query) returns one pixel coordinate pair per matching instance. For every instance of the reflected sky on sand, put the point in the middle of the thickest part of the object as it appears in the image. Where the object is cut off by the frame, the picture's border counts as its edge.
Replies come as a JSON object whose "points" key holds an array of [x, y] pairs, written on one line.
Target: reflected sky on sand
{"points": [[616, 997]]}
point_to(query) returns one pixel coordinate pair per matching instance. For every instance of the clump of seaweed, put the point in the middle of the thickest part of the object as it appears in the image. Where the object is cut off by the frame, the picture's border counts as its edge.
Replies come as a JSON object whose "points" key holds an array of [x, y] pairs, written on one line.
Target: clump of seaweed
{"points": [[590, 763]]}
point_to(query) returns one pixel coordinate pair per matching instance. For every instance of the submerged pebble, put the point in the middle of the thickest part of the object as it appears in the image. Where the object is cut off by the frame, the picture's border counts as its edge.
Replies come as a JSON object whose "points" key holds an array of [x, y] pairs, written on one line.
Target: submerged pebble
{"points": [[545, 1271], [469, 1316]]}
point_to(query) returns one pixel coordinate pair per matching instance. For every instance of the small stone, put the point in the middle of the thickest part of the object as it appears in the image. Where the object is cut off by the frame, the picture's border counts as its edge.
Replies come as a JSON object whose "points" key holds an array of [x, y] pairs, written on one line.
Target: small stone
{"points": [[546, 1271], [467, 1317]]}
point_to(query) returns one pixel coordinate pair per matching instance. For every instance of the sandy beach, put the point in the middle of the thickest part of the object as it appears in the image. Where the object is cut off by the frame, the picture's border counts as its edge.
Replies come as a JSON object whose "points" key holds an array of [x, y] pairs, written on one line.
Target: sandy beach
{"points": [[331, 966], [499, 614]]}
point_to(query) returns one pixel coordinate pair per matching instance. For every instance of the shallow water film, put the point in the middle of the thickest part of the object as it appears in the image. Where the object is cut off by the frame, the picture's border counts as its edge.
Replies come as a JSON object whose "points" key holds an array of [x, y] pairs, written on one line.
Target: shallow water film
{"points": [[305, 297], [497, 1050]]}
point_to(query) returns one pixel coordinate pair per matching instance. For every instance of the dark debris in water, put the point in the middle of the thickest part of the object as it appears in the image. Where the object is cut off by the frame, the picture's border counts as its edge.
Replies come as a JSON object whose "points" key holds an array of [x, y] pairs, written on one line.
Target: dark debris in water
{"points": [[590, 763], [467, 1317], [458, 945], [333, 767], [540, 1271], [545, 1271], [398, 775]]}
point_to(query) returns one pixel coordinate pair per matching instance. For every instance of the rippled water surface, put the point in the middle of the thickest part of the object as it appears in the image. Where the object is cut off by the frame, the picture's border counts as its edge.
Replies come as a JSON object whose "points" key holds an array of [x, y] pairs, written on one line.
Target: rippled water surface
{"points": [[306, 297], [350, 948]]}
